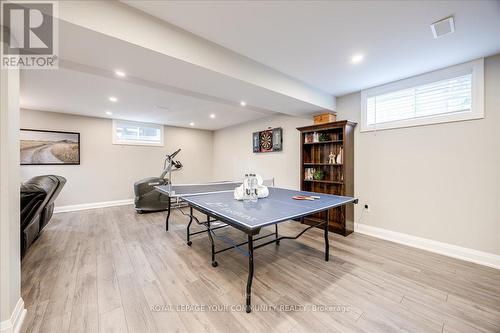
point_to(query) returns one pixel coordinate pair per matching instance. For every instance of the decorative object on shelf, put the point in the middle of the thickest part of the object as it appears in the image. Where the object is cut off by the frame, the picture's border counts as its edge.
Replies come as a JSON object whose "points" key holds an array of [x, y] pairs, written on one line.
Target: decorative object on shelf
{"points": [[318, 175], [315, 137], [331, 158], [325, 118], [308, 138], [269, 140], [338, 159], [40, 147], [323, 137], [309, 173]]}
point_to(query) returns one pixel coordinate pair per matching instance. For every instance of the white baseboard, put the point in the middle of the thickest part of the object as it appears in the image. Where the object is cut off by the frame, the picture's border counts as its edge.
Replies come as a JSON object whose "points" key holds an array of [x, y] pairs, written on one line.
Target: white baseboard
{"points": [[463, 253], [93, 205], [14, 324]]}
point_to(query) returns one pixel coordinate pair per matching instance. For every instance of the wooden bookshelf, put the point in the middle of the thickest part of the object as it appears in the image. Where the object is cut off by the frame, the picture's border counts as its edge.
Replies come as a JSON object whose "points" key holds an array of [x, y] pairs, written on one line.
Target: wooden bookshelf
{"points": [[337, 178]]}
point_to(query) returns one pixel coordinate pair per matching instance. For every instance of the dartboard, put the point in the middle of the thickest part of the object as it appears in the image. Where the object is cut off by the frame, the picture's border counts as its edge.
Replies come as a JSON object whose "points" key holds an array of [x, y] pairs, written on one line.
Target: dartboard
{"points": [[266, 140]]}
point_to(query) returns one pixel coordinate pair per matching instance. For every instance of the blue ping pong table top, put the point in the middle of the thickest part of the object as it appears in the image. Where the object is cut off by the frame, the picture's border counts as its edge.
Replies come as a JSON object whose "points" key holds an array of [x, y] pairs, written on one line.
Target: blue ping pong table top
{"points": [[277, 207]]}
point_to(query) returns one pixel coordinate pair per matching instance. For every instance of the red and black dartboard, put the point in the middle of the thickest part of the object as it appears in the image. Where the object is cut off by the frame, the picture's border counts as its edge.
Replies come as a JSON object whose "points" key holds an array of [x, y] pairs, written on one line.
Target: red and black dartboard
{"points": [[266, 141]]}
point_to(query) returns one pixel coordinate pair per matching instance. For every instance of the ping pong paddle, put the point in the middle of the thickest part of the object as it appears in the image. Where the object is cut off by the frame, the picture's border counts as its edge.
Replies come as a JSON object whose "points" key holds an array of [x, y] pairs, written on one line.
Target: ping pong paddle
{"points": [[304, 197]]}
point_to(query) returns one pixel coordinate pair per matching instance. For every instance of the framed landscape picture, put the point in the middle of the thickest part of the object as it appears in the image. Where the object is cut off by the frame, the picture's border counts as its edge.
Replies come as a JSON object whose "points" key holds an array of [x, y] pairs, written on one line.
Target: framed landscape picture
{"points": [[39, 147]]}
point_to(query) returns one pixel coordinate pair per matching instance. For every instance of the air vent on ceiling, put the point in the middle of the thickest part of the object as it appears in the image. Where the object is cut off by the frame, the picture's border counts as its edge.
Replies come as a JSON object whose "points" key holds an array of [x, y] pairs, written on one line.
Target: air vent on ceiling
{"points": [[443, 27]]}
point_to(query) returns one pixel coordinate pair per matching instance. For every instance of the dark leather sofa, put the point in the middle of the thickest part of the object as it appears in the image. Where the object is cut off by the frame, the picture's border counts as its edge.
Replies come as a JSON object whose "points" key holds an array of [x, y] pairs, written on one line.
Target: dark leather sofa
{"points": [[37, 205]]}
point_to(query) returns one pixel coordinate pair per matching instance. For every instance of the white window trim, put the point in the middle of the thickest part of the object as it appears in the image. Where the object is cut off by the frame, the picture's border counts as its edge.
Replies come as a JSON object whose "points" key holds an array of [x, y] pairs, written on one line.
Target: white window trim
{"points": [[137, 143], [475, 67]]}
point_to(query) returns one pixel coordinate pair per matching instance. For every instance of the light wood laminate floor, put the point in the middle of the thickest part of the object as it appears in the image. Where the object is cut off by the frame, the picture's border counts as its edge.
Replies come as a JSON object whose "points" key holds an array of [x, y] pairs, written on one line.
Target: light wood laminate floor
{"points": [[111, 270]]}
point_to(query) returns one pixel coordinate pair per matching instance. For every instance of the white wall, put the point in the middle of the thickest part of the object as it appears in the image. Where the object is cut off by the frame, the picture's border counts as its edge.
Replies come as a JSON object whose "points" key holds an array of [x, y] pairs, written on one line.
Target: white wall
{"points": [[11, 305], [108, 172], [233, 156], [439, 182]]}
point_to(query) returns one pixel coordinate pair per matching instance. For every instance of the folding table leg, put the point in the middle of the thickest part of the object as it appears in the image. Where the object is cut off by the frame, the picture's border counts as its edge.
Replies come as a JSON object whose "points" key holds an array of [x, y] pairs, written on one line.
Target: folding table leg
{"points": [[188, 232], [168, 214], [327, 245], [214, 263], [276, 235], [250, 274]]}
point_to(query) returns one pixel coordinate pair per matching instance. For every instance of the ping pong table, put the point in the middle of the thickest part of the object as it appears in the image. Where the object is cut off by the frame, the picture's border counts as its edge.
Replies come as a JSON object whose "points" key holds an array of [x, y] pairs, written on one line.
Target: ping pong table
{"points": [[217, 203]]}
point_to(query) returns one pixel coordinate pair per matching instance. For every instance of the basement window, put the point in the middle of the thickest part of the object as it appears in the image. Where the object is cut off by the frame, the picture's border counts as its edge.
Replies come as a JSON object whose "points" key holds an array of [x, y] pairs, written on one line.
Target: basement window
{"points": [[452, 94], [134, 133]]}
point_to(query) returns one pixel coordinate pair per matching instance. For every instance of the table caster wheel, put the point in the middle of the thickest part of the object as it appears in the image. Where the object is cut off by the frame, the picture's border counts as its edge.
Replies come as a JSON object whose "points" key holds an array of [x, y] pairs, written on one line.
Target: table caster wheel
{"points": [[215, 264], [277, 242], [189, 243], [248, 309]]}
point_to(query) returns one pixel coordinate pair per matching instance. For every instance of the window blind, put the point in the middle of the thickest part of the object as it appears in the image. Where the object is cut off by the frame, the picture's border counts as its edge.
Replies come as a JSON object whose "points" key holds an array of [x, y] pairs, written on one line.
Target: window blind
{"points": [[448, 96]]}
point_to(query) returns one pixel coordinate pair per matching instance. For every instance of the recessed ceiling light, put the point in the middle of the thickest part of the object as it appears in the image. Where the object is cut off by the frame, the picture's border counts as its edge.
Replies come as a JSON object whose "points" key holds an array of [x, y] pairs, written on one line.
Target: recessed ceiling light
{"points": [[357, 58], [243, 103], [191, 124], [120, 73], [113, 99], [109, 113], [212, 116]]}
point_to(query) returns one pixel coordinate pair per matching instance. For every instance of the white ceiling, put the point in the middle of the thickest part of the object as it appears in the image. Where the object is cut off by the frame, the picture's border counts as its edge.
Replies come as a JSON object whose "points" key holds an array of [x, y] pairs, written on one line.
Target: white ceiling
{"points": [[75, 92], [157, 88], [314, 41]]}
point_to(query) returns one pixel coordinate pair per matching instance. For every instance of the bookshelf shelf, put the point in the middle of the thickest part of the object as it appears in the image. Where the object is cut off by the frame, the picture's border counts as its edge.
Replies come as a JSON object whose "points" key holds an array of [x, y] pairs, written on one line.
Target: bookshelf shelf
{"points": [[324, 181], [332, 140], [323, 142], [327, 164]]}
